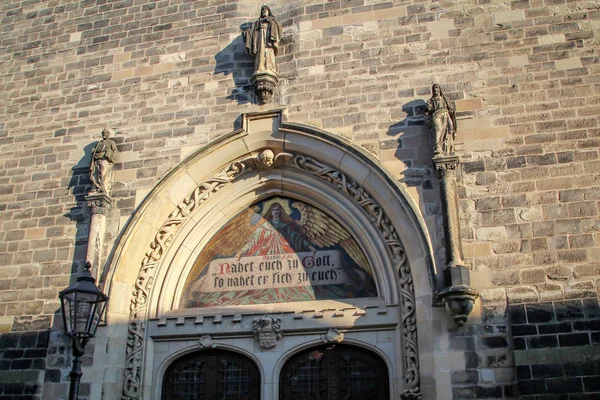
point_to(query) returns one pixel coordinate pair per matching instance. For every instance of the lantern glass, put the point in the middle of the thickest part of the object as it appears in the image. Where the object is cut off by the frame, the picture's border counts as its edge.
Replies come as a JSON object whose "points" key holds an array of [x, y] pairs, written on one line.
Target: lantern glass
{"points": [[82, 306], [82, 312]]}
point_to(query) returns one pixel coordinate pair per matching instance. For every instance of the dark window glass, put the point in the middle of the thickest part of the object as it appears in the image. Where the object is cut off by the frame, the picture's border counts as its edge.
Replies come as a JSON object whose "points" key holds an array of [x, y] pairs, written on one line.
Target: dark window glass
{"points": [[212, 375], [334, 372]]}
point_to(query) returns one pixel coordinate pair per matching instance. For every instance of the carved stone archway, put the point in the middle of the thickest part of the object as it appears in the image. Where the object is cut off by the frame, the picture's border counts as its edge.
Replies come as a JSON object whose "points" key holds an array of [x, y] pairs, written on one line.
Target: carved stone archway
{"points": [[304, 159]]}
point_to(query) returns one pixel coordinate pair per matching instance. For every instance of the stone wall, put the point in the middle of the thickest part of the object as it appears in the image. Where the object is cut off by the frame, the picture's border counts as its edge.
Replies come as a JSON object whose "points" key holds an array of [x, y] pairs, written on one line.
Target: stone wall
{"points": [[556, 348], [22, 363], [171, 76]]}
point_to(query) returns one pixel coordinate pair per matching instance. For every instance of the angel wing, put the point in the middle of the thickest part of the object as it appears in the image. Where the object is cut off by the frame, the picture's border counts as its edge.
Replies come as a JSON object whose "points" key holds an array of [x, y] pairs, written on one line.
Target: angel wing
{"points": [[324, 231], [227, 242]]}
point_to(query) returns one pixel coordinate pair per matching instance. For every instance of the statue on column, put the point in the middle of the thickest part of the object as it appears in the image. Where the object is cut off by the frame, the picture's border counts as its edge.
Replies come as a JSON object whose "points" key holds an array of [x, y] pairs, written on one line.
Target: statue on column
{"points": [[442, 122], [103, 157], [262, 43]]}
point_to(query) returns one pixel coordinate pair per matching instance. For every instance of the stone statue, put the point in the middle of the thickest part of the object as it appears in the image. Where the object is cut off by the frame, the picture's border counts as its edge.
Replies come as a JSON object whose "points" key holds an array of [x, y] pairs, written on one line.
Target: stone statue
{"points": [[442, 121], [101, 165], [262, 43]]}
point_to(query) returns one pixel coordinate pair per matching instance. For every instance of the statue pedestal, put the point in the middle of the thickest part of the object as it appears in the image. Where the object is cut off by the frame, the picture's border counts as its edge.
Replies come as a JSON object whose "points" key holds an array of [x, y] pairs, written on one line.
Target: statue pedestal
{"points": [[99, 204], [458, 296], [264, 84]]}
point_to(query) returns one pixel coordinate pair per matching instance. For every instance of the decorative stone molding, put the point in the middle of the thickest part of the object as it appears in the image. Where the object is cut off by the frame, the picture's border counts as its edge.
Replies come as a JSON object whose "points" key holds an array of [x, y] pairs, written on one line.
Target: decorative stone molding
{"points": [[267, 330], [145, 279], [409, 319], [338, 179], [206, 342], [333, 335]]}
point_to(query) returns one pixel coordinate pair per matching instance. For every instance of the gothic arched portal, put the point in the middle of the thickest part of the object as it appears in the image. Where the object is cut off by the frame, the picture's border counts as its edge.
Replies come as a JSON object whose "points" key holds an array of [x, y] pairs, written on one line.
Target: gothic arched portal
{"points": [[269, 159]]}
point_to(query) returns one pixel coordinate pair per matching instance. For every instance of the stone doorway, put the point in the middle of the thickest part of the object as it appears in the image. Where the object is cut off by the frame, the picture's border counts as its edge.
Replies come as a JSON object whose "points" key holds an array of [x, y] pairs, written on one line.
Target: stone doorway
{"points": [[212, 375], [334, 371]]}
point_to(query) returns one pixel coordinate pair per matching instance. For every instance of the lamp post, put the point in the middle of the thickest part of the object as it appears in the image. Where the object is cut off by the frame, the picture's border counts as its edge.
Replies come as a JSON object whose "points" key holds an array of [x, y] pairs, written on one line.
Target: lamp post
{"points": [[82, 306]]}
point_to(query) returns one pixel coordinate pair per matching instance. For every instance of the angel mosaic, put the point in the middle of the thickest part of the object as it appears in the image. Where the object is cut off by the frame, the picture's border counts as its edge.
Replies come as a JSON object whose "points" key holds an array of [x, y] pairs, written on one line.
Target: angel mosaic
{"points": [[279, 250]]}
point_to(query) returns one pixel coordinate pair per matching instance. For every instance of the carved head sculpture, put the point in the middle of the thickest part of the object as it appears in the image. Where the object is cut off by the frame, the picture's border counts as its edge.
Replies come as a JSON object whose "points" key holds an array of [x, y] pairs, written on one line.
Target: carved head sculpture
{"points": [[265, 11], [436, 90], [105, 133], [267, 157]]}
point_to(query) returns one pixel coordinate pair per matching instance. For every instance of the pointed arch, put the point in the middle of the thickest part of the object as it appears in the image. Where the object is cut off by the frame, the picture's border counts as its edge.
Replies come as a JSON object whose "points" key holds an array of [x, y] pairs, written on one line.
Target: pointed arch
{"points": [[201, 194]]}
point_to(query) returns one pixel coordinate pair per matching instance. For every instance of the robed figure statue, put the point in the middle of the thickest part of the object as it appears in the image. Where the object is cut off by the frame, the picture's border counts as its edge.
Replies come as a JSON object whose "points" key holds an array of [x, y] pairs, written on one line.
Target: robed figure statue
{"points": [[442, 122], [103, 157], [262, 43]]}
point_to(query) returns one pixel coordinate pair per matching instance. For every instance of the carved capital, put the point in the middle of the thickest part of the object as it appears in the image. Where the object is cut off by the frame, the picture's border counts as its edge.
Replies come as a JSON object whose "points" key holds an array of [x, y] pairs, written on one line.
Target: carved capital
{"points": [[99, 203], [267, 330], [264, 85], [445, 166]]}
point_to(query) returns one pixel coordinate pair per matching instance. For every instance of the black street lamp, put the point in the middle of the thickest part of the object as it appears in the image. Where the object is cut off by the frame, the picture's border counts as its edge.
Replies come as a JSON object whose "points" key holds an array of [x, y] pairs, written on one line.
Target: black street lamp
{"points": [[82, 306]]}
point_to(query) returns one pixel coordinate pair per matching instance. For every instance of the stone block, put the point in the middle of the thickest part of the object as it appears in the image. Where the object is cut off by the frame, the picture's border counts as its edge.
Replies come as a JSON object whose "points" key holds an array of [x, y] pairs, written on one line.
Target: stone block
{"points": [[544, 371], [568, 63], [522, 294], [469, 104], [583, 209], [542, 342], [533, 275], [538, 313], [477, 249], [564, 385], [465, 377], [568, 310], [491, 234], [532, 387]]}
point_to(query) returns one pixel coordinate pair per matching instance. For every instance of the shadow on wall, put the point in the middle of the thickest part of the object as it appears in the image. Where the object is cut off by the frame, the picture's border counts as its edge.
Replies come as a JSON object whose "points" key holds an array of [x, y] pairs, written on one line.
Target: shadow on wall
{"points": [[80, 185], [412, 144], [233, 60]]}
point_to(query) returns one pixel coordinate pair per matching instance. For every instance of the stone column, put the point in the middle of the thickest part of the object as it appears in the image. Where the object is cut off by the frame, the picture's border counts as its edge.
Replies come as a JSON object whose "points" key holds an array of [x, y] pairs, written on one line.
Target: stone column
{"points": [[445, 167], [458, 296], [99, 204]]}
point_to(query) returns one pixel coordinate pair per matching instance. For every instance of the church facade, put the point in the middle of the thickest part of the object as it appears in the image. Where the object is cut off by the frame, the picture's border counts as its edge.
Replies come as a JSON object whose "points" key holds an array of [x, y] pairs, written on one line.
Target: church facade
{"points": [[302, 200]]}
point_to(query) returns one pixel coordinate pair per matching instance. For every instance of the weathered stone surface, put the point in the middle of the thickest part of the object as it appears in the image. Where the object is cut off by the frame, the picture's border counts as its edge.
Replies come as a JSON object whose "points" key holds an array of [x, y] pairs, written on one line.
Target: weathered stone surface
{"points": [[522, 74]]}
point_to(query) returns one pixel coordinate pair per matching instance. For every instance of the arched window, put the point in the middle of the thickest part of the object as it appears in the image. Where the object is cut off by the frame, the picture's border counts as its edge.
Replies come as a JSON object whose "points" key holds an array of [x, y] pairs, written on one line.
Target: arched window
{"points": [[334, 371], [212, 375]]}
